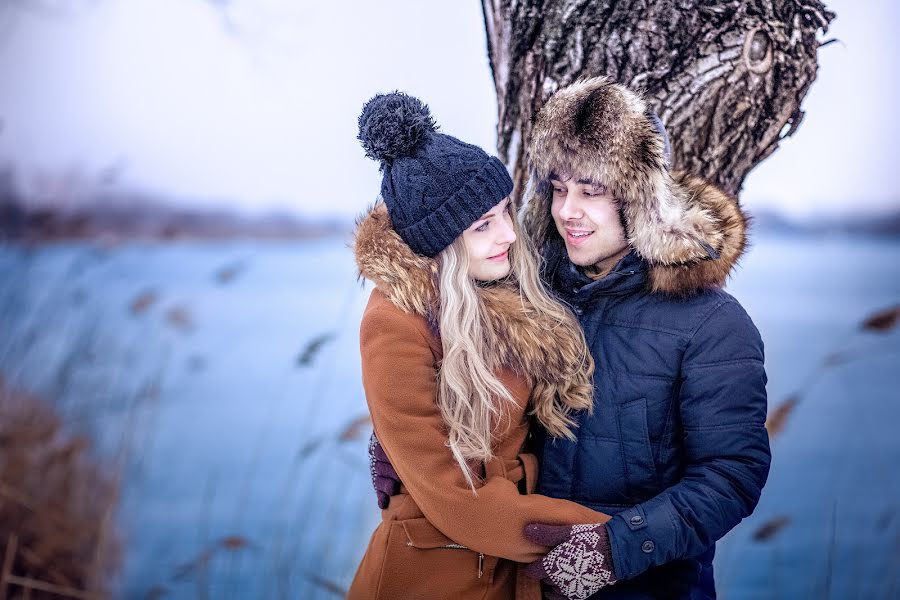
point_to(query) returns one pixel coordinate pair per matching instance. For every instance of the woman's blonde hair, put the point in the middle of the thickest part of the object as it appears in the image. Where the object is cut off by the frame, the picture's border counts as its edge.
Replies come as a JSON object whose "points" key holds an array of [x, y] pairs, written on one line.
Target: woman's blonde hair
{"points": [[471, 397]]}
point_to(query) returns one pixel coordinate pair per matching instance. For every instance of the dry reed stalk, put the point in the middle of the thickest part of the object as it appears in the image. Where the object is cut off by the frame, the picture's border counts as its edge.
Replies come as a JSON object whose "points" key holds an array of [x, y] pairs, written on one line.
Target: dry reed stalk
{"points": [[33, 584], [770, 528], [777, 419], [882, 321], [55, 502], [9, 557], [355, 428], [143, 301], [313, 347]]}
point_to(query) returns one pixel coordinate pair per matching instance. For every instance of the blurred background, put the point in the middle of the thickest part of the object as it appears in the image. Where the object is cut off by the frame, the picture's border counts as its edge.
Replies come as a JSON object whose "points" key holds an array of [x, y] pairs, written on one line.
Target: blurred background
{"points": [[181, 412]]}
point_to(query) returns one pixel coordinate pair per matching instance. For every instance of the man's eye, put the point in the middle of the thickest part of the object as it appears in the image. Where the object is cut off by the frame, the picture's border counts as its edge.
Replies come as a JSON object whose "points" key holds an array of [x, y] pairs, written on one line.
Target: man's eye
{"points": [[558, 191], [483, 226]]}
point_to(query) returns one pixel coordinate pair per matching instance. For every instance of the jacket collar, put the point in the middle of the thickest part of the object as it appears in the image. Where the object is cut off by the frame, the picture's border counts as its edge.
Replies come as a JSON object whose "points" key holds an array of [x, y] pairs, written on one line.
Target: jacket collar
{"points": [[570, 283]]}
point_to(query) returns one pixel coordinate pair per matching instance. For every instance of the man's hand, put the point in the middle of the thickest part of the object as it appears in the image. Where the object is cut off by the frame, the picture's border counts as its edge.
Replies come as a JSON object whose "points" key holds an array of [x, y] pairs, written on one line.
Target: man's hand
{"points": [[384, 478], [580, 562]]}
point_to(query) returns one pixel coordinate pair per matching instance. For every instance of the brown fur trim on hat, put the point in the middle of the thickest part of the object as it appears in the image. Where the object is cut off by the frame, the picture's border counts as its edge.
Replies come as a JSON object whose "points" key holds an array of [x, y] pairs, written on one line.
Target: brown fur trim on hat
{"points": [[730, 225], [602, 131], [690, 232]]}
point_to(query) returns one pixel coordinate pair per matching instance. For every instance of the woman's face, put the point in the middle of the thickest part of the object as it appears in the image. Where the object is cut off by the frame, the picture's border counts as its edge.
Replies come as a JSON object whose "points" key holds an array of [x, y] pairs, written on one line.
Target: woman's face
{"points": [[488, 242]]}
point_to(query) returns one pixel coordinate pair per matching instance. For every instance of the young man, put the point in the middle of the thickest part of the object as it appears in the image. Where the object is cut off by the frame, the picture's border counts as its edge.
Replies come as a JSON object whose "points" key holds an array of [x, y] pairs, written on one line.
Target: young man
{"points": [[676, 447]]}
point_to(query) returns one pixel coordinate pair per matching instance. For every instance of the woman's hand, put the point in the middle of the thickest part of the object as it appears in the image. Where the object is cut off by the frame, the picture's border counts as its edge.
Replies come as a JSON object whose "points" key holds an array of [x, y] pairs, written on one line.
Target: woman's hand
{"points": [[580, 562]]}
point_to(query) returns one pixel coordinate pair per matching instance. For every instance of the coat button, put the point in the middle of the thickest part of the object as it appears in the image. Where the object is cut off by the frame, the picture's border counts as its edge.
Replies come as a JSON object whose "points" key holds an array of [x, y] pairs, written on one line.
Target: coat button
{"points": [[637, 520], [648, 546], [578, 311]]}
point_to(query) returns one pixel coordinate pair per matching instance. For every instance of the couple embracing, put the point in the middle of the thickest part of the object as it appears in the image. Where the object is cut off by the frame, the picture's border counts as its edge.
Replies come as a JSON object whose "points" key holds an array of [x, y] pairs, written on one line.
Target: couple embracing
{"points": [[565, 401]]}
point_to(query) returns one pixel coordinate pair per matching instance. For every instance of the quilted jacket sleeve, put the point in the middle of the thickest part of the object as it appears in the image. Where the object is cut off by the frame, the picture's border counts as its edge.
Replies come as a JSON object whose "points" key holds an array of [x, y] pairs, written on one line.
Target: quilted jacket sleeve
{"points": [[723, 411]]}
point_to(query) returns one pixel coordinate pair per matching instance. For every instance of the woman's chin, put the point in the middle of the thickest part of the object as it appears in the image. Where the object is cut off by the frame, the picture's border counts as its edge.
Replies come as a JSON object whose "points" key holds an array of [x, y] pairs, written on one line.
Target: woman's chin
{"points": [[490, 271]]}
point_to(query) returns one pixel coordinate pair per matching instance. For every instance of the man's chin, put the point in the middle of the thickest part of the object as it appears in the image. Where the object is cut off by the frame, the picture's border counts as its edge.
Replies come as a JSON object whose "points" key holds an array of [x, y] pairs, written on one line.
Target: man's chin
{"points": [[582, 258]]}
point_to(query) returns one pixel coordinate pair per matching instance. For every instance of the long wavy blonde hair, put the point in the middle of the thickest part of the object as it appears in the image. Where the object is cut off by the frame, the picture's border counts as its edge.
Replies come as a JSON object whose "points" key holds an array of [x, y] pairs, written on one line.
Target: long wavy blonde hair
{"points": [[471, 397]]}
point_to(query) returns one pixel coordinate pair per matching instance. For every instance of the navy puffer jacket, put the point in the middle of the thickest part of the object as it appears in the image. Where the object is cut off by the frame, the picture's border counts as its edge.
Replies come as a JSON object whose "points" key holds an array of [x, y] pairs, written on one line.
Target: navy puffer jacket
{"points": [[676, 447]]}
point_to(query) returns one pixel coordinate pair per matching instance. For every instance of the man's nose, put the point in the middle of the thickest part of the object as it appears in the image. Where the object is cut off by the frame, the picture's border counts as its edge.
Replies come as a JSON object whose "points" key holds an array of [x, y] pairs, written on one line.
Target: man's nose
{"points": [[570, 209]]}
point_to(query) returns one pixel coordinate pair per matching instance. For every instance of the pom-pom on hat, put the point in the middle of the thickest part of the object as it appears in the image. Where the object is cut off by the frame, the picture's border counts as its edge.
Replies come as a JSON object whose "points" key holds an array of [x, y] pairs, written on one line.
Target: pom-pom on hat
{"points": [[434, 185]]}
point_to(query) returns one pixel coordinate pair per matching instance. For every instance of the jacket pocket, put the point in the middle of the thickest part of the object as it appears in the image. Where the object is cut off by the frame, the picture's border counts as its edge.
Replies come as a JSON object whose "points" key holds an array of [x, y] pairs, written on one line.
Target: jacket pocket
{"points": [[423, 535], [421, 562], [641, 477]]}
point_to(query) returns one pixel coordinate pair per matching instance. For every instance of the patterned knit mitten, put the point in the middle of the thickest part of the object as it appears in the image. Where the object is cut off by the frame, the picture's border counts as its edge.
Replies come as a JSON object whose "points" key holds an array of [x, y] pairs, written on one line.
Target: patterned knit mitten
{"points": [[580, 562]]}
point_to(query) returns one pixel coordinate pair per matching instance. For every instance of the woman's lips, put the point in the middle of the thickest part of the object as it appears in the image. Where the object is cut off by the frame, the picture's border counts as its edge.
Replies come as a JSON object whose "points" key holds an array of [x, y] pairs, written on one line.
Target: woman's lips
{"points": [[499, 257], [577, 238]]}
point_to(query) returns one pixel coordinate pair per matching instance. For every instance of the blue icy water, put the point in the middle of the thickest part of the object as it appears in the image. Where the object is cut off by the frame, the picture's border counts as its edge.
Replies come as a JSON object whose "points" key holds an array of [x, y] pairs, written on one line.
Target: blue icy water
{"points": [[237, 416]]}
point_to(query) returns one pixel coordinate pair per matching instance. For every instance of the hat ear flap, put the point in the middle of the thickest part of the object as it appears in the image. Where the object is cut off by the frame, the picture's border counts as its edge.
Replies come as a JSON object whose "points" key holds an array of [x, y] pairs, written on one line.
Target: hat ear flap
{"points": [[665, 224], [669, 226], [535, 216], [661, 129]]}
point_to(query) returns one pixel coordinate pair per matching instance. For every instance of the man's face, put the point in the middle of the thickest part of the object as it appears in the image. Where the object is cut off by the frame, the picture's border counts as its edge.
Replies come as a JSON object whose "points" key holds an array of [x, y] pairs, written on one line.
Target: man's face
{"points": [[587, 218]]}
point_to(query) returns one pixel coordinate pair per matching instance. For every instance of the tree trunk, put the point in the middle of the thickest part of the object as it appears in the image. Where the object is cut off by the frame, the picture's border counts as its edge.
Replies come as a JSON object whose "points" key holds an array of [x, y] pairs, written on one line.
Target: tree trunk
{"points": [[726, 77]]}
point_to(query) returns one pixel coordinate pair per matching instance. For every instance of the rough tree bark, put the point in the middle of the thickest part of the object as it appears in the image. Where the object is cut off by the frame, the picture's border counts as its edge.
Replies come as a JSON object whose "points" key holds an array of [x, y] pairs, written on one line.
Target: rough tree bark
{"points": [[726, 77]]}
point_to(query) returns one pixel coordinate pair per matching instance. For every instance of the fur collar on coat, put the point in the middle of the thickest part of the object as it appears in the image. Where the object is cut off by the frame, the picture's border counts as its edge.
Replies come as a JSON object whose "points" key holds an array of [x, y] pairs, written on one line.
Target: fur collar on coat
{"points": [[552, 355]]}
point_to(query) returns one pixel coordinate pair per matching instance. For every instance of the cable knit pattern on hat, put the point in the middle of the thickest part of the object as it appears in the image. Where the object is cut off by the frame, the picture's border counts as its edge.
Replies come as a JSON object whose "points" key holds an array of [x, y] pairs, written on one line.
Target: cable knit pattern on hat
{"points": [[434, 185]]}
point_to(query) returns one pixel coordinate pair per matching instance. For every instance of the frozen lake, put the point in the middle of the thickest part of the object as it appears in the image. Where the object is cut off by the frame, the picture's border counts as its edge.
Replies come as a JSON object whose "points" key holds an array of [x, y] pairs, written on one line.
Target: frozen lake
{"points": [[225, 376]]}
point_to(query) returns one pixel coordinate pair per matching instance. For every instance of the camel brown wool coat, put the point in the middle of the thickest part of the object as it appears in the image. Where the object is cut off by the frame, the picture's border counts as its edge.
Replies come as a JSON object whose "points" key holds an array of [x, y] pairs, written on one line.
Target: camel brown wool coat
{"points": [[437, 538]]}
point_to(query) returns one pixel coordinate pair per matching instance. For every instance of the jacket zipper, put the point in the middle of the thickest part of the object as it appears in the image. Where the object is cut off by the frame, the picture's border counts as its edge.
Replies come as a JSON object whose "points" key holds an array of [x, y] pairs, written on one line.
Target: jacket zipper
{"points": [[461, 547]]}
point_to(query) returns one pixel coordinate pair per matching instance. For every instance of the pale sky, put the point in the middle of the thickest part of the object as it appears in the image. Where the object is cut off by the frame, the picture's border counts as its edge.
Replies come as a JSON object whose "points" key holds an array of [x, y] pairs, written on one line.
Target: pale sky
{"points": [[258, 107]]}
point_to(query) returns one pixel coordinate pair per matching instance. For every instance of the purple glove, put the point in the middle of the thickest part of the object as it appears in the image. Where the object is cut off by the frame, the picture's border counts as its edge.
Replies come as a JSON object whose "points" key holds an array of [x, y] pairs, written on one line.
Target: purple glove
{"points": [[580, 562], [384, 478]]}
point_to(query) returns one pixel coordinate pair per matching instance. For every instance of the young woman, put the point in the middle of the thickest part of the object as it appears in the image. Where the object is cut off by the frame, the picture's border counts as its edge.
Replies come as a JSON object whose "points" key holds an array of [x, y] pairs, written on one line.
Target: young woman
{"points": [[459, 343]]}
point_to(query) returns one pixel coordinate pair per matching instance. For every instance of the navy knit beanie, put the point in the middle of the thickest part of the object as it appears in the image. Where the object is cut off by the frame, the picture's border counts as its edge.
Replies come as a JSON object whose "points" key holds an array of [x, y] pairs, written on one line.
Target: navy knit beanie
{"points": [[434, 185]]}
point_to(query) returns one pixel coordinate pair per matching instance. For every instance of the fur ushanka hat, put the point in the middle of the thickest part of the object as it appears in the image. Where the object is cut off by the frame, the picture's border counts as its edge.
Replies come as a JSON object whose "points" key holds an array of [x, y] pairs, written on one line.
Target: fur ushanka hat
{"points": [[682, 226], [434, 185]]}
